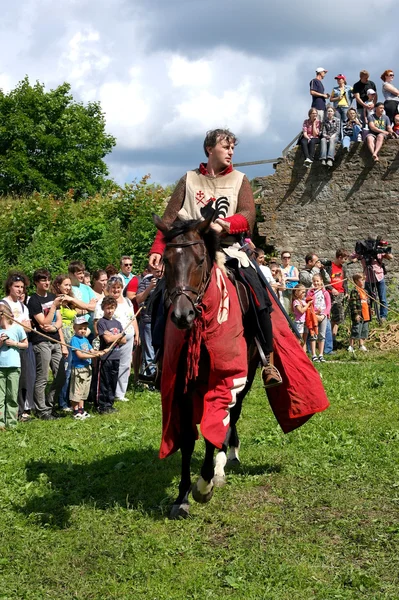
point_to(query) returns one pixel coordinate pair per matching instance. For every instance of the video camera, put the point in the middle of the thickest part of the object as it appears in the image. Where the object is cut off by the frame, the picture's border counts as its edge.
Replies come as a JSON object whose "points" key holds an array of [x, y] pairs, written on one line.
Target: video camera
{"points": [[370, 248]]}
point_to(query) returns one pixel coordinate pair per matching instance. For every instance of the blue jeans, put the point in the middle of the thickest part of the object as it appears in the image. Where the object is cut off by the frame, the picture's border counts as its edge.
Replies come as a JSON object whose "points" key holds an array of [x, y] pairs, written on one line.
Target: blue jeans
{"points": [[148, 365], [327, 148], [382, 297], [353, 138], [63, 398]]}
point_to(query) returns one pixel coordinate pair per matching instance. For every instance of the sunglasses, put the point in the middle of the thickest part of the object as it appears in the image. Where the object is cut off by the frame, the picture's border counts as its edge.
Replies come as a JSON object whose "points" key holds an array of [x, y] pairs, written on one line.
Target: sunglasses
{"points": [[391, 75], [127, 264], [17, 278], [286, 257]]}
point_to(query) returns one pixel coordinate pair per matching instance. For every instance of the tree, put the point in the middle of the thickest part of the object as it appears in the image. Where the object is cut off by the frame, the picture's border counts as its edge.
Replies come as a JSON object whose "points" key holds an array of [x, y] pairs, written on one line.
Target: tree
{"points": [[51, 143]]}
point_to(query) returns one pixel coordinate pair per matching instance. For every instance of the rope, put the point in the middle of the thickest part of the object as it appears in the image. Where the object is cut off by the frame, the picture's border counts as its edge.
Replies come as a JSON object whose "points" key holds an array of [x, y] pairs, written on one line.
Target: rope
{"points": [[47, 337]]}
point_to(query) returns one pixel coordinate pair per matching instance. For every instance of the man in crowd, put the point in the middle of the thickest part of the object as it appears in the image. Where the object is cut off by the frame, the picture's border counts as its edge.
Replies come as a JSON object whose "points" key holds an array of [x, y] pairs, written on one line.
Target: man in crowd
{"points": [[313, 267], [379, 130], [46, 319], [360, 90], [260, 259], [338, 290], [374, 272], [125, 273], [145, 289], [81, 291], [318, 93]]}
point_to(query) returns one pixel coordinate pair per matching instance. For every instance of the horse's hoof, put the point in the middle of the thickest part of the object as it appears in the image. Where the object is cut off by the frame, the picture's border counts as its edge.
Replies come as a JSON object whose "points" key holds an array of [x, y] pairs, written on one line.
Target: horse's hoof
{"points": [[219, 480], [201, 498], [180, 511]]}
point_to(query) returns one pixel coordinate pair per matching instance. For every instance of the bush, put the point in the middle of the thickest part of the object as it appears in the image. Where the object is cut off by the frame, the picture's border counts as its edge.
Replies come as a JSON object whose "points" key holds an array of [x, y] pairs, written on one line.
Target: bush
{"points": [[42, 231]]}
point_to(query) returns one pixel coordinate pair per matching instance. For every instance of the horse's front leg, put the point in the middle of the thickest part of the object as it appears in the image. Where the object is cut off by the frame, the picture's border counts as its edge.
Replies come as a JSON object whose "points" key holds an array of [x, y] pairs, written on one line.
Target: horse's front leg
{"points": [[181, 506], [203, 490]]}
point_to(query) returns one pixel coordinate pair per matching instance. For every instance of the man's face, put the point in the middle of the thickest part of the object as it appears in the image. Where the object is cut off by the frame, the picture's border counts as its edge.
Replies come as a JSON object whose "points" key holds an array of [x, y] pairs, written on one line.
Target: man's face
{"points": [[323, 74], [363, 77], [156, 271], [379, 110], [43, 285], [222, 153], [126, 266], [314, 260], [342, 260], [79, 276], [260, 259]]}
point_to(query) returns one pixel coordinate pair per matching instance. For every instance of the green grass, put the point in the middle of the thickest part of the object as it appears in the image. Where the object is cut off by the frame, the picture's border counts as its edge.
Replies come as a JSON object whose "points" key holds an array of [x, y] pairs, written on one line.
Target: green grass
{"points": [[309, 515]]}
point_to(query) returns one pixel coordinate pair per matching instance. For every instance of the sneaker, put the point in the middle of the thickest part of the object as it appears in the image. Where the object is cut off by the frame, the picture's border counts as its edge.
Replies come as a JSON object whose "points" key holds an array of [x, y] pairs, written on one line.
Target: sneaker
{"points": [[363, 348], [323, 162], [351, 349], [307, 162], [315, 358], [321, 358], [359, 137], [25, 417], [329, 163], [67, 409], [78, 416], [124, 399]]}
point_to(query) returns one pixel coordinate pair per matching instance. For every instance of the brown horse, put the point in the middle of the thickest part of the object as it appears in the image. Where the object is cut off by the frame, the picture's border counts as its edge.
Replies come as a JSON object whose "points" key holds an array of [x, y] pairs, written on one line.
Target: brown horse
{"points": [[206, 372]]}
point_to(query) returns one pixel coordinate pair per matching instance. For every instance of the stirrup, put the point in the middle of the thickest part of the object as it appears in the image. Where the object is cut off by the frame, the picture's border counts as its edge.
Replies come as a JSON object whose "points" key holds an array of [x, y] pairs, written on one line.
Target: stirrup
{"points": [[270, 376]]}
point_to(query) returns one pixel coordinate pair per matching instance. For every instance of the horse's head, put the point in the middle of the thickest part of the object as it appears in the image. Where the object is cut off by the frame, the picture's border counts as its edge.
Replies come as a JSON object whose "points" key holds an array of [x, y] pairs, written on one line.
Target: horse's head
{"points": [[188, 257]]}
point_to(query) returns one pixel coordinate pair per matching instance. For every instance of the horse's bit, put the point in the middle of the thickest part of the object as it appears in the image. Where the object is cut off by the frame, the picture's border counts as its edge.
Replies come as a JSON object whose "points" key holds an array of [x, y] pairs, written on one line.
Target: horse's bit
{"points": [[182, 291]]}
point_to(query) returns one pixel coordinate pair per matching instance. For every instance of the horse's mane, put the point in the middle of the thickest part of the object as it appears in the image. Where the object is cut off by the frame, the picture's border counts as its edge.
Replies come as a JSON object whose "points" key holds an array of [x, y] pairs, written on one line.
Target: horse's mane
{"points": [[211, 238]]}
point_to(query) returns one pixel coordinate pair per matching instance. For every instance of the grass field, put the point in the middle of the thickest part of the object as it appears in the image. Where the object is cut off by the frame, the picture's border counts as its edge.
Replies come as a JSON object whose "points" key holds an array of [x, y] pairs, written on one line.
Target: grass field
{"points": [[310, 515]]}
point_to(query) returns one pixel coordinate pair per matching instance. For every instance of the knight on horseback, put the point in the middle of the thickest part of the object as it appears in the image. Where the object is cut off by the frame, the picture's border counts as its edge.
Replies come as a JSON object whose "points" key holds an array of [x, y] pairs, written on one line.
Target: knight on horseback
{"points": [[218, 187], [209, 357]]}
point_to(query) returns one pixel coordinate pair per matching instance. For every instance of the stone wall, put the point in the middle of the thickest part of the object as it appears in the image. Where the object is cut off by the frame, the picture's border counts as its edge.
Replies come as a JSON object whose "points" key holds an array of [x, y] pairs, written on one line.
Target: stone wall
{"points": [[319, 209]]}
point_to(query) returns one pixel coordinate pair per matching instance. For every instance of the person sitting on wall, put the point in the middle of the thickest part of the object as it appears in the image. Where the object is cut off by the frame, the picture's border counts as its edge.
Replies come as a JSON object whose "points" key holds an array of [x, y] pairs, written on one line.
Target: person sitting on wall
{"points": [[379, 130], [329, 136], [360, 89], [310, 134], [369, 106], [351, 131]]}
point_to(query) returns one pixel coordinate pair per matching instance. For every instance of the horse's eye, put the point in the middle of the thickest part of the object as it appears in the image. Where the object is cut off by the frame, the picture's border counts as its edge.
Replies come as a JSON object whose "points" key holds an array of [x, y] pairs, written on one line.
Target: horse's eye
{"points": [[201, 262]]}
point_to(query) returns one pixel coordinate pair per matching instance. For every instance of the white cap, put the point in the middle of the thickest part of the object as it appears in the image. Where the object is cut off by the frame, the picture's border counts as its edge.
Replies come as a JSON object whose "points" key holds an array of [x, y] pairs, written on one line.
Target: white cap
{"points": [[371, 91], [320, 70], [80, 320]]}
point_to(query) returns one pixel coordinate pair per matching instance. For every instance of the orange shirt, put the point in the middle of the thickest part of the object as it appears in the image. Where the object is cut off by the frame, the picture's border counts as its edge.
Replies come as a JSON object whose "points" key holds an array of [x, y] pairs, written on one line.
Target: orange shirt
{"points": [[365, 304]]}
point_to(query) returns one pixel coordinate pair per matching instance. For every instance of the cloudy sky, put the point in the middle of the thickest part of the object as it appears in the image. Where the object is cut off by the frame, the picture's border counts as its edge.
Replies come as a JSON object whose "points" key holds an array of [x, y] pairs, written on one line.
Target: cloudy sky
{"points": [[165, 72]]}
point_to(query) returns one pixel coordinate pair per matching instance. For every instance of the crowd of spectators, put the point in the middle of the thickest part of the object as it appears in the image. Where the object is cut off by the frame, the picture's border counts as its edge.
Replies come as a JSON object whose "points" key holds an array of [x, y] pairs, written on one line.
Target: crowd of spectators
{"points": [[320, 295], [352, 115], [83, 328]]}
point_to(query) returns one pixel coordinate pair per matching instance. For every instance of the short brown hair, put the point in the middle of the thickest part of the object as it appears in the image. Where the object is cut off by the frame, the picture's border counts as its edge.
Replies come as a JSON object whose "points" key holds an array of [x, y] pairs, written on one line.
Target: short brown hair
{"points": [[341, 252], [357, 277], [75, 266], [109, 301], [213, 136], [364, 72]]}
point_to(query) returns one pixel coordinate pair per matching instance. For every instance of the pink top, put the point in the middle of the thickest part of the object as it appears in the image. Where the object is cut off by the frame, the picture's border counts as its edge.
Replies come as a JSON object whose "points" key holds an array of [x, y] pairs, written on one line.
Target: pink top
{"points": [[327, 299], [307, 127], [300, 317]]}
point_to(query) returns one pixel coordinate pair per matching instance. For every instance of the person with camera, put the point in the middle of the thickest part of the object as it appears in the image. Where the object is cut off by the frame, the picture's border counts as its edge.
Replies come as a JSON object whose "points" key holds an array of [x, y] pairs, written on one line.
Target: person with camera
{"points": [[313, 266], [338, 289], [372, 253], [380, 129], [351, 129]]}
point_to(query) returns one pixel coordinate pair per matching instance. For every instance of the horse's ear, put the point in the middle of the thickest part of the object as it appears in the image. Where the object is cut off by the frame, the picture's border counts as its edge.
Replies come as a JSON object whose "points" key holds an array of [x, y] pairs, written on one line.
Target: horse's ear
{"points": [[205, 225], [159, 224]]}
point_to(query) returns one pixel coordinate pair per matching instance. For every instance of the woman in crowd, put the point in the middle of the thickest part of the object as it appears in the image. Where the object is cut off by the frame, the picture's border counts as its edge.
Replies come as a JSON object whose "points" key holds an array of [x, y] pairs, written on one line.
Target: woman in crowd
{"points": [[69, 308], [391, 95], [124, 314], [329, 136], [15, 288], [341, 97], [100, 279], [351, 130], [277, 284], [310, 134], [291, 278]]}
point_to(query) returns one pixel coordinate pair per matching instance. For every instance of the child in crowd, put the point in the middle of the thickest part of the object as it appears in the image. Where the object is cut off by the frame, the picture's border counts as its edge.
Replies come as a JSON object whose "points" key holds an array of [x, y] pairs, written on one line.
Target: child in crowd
{"points": [[396, 125], [371, 95], [299, 308], [322, 306], [87, 278], [359, 304], [12, 340], [109, 330], [81, 368]]}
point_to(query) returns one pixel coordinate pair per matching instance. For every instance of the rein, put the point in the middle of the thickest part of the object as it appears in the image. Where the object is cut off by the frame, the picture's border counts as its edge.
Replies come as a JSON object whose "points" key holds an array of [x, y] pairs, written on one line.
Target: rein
{"points": [[187, 289]]}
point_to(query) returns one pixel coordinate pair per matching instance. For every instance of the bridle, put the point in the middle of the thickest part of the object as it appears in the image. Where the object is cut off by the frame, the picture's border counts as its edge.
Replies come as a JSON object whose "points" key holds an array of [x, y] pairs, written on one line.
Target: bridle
{"points": [[185, 290]]}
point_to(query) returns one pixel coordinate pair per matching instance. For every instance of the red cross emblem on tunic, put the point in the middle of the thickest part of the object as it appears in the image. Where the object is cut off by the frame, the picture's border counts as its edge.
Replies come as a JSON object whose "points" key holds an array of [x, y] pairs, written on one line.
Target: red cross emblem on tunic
{"points": [[200, 198]]}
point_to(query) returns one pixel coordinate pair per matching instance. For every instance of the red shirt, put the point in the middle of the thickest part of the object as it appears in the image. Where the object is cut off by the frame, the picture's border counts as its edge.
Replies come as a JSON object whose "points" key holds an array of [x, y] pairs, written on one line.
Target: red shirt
{"points": [[337, 278], [132, 286]]}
